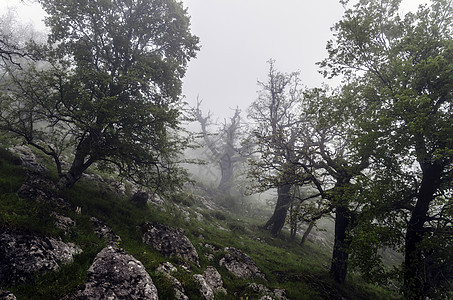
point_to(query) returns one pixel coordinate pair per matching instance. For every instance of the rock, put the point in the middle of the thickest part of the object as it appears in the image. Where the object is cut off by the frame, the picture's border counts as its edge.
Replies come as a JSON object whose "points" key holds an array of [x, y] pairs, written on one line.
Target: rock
{"points": [[24, 254], [140, 199], [214, 280], [40, 188], [63, 223], [28, 158], [103, 231], [210, 283], [240, 264], [7, 295], [206, 292], [169, 241], [279, 294], [115, 274], [167, 269]]}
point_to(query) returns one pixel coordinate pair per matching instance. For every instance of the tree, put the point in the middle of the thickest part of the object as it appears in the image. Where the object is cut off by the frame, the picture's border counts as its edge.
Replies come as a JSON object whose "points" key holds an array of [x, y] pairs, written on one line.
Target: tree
{"points": [[405, 63], [223, 146], [334, 162], [107, 87], [275, 129]]}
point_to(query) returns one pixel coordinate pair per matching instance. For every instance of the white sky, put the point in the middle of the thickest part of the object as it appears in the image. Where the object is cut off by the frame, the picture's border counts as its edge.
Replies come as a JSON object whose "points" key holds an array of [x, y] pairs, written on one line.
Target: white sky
{"points": [[238, 37]]}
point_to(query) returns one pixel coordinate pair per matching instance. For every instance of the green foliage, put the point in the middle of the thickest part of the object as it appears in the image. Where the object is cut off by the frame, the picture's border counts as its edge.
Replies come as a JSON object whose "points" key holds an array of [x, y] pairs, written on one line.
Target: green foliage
{"points": [[107, 87], [398, 68]]}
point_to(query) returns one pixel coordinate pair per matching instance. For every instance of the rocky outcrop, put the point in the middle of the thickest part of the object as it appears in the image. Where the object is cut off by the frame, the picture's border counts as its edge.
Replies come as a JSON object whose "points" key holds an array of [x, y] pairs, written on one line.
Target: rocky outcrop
{"points": [[206, 292], [115, 274], [214, 280], [24, 254], [169, 241], [7, 295], [240, 264], [167, 269], [279, 294], [28, 158], [63, 223], [38, 187], [104, 231], [210, 283]]}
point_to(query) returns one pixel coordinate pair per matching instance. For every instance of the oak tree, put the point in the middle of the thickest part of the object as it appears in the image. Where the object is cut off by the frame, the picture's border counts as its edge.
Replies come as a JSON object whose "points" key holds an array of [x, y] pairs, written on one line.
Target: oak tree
{"points": [[107, 87]]}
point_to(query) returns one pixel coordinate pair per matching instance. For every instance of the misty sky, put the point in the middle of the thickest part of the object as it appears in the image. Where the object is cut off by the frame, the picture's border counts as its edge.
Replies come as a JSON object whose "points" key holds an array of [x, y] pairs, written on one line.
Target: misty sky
{"points": [[238, 37]]}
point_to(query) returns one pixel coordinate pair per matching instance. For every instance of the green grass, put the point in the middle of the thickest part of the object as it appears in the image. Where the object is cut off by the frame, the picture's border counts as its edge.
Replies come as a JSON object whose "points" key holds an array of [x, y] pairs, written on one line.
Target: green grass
{"points": [[302, 271]]}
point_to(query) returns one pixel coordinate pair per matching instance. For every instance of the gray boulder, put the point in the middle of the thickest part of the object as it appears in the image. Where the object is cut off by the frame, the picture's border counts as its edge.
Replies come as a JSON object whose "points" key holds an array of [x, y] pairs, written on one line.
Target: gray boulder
{"points": [[28, 158], [240, 264], [210, 283], [115, 274], [206, 292], [214, 280], [7, 295], [279, 294], [169, 241], [104, 231], [167, 269], [24, 254], [39, 188]]}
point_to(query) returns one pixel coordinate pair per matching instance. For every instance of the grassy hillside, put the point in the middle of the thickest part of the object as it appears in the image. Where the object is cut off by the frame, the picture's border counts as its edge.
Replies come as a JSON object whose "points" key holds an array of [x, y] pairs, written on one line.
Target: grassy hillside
{"points": [[302, 271]]}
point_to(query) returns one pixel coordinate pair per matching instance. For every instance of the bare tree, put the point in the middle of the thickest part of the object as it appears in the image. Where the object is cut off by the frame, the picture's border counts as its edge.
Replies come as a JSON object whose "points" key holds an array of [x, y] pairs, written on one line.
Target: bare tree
{"points": [[223, 145], [276, 116]]}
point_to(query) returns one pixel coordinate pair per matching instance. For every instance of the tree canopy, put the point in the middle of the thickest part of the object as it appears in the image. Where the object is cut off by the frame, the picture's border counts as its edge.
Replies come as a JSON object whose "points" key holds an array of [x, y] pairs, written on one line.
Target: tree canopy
{"points": [[399, 66], [107, 85]]}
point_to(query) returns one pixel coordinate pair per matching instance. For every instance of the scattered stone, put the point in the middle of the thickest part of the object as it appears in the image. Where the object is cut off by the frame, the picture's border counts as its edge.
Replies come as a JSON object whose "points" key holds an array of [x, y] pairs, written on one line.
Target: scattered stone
{"points": [[115, 274], [63, 223], [28, 158], [214, 280], [7, 295], [39, 188], [169, 241], [104, 231], [240, 264], [210, 256], [206, 292], [140, 199], [24, 254], [167, 269], [279, 294]]}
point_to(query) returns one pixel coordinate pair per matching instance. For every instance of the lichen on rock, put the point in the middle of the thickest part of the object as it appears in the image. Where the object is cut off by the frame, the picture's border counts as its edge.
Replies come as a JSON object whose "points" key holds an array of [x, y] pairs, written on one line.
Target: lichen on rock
{"points": [[169, 241], [115, 274], [240, 264], [24, 254]]}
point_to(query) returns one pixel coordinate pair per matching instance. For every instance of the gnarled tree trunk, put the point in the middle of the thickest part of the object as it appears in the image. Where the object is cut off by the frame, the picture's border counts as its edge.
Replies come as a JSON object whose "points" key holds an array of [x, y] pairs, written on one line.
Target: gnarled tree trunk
{"points": [[277, 221], [339, 265], [415, 282]]}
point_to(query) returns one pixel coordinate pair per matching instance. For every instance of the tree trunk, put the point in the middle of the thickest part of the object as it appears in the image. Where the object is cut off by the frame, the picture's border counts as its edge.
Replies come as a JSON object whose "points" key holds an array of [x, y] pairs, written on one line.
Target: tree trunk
{"points": [[79, 165], [277, 221], [339, 265], [307, 232], [292, 222], [415, 283], [227, 169]]}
